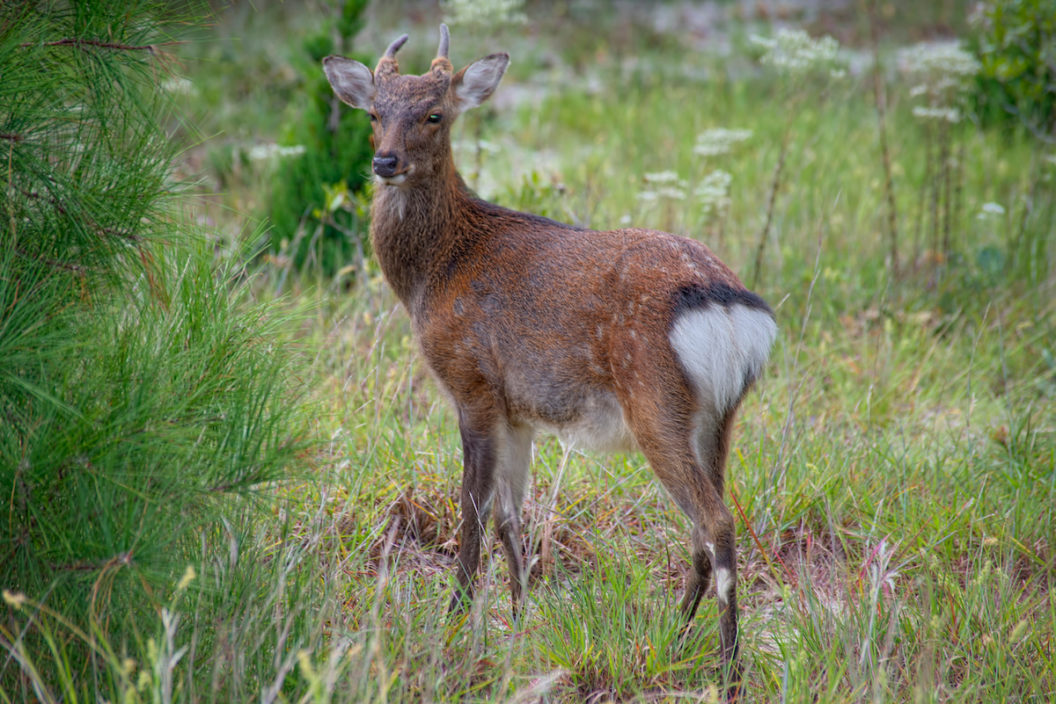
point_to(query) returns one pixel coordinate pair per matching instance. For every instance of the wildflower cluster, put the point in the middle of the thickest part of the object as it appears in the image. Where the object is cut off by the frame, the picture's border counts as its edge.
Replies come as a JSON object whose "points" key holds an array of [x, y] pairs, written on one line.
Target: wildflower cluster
{"points": [[940, 65], [990, 209], [484, 13], [665, 185], [939, 71], [714, 191], [178, 86], [719, 140], [265, 152], [795, 52], [939, 113]]}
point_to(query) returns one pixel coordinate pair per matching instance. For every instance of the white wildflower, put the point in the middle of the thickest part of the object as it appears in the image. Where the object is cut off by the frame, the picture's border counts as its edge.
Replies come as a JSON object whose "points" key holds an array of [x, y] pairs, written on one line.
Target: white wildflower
{"points": [[665, 185], [661, 177], [714, 191], [937, 113], [178, 86], [939, 71], [484, 13], [795, 51], [938, 61], [264, 152], [719, 141], [990, 209], [675, 192], [672, 192]]}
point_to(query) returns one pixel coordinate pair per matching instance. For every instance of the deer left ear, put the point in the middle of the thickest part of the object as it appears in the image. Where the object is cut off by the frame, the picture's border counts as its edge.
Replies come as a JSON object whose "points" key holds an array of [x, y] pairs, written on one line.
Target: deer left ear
{"points": [[352, 81], [475, 83]]}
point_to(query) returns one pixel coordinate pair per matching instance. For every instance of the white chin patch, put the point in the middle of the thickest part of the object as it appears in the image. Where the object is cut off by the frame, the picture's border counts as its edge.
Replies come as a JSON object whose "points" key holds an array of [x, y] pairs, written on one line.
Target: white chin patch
{"points": [[391, 181]]}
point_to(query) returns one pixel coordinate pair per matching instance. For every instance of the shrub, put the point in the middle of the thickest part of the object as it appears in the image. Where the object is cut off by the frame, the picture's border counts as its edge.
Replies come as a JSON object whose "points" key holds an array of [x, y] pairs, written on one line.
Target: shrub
{"points": [[1016, 44], [336, 153]]}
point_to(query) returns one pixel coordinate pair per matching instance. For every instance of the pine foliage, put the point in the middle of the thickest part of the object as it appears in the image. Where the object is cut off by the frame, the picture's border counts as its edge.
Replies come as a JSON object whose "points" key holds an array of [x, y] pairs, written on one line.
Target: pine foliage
{"points": [[140, 387]]}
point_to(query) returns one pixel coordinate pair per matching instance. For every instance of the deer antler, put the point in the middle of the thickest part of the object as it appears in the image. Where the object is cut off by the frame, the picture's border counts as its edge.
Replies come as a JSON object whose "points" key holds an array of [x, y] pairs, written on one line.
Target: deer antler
{"points": [[390, 53], [445, 41], [442, 64], [387, 63]]}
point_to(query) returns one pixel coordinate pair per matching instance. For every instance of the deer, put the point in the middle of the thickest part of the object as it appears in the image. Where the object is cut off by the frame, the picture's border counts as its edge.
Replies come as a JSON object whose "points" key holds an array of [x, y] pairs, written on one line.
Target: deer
{"points": [[618, 340]]}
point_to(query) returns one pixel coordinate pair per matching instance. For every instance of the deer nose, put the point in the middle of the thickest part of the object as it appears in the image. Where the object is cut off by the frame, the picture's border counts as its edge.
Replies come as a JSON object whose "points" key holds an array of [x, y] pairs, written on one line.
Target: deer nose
{"points": [[385, 165]]}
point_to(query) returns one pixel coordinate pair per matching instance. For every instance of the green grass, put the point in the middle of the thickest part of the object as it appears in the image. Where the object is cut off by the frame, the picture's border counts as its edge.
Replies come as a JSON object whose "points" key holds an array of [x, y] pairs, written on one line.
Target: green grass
{"points": [[896, 467]]}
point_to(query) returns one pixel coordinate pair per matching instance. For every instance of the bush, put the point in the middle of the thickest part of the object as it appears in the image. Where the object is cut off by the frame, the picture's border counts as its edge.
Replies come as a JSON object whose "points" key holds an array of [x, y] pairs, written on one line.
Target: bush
{"points": [[337, 153], [1016, 45], [140, 389]]}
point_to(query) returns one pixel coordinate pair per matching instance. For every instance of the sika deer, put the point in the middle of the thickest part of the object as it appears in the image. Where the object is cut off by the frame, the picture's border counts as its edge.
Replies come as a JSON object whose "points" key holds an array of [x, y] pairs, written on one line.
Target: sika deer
{"points": [[617, 340]]}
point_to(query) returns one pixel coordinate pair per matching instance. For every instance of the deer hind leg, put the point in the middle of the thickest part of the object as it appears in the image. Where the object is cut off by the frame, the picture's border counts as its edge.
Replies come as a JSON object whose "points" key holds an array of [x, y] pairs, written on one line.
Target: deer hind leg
{"points": [[713, 537], [687, 450]]}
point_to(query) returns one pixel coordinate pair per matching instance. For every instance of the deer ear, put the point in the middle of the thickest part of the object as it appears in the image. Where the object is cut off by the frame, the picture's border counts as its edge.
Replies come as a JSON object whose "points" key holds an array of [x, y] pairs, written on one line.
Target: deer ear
{"points": [[352, 81], [475, 83]]}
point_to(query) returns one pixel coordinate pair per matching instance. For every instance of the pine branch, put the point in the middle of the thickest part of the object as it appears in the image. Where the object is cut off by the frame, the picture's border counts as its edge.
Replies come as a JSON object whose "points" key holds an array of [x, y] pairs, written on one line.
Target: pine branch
{"points": [[53, 263], [131, 237], [82, 43]]}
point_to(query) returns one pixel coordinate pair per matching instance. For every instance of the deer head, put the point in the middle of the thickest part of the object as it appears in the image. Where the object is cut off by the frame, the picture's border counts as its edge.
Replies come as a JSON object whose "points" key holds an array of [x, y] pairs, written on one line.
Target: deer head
{"points": [[412, 115]]}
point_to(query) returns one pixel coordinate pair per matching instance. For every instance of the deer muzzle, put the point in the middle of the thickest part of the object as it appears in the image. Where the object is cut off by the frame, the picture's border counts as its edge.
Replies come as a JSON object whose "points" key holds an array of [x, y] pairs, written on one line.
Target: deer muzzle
{"points": [[386, 165]]}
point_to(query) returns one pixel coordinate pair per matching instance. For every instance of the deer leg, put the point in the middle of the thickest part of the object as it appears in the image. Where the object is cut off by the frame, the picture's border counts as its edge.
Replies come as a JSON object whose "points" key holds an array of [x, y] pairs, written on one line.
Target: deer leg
{"points": [[478, 474], [715, 554], [698, 577], [713, 450], [725, 565], [687, 450], [514, 458]]}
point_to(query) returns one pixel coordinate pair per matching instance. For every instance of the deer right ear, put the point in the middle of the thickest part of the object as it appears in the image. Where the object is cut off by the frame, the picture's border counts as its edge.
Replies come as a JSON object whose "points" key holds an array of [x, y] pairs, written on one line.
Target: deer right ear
{"points": [[352, 81], [475, 83]]}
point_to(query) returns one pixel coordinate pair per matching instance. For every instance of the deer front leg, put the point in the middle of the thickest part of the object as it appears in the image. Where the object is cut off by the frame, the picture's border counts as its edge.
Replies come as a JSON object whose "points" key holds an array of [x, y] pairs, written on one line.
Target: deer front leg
{"points": [[514, 455], [478, 478]]}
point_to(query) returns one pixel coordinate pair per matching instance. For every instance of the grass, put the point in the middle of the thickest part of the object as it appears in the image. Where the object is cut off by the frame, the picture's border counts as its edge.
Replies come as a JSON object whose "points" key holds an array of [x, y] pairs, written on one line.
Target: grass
{"points": [[895, 470]]}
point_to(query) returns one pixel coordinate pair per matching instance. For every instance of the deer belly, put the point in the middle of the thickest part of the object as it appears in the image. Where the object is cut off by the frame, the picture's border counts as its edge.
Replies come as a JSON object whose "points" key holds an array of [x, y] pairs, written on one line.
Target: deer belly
{"points": [[593, 421]]}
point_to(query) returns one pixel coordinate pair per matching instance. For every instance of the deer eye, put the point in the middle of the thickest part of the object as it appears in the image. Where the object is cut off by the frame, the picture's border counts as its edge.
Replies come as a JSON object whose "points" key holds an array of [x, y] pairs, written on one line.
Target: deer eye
{"points": [[373, 117], [434, 118]]}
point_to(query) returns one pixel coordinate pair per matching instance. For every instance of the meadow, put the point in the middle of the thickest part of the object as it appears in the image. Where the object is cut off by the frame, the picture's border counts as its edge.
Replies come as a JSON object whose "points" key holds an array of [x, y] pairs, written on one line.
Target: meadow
{"points": [[893, 474]]}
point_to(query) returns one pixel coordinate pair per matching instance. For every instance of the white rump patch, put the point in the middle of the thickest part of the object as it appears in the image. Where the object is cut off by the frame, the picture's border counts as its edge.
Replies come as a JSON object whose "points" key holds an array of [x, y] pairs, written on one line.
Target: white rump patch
{"points": [[722, 349]]}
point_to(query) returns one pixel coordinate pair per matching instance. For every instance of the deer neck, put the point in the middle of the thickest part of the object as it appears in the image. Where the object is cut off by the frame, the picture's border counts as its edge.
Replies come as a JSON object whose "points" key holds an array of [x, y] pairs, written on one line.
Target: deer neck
{"points": [[419, 231]]}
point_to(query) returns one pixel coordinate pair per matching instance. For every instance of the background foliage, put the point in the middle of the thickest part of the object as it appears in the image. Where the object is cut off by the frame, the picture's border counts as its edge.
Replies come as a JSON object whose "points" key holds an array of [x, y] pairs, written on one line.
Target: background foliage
{"points": [[307, 222], [1016, 43]]}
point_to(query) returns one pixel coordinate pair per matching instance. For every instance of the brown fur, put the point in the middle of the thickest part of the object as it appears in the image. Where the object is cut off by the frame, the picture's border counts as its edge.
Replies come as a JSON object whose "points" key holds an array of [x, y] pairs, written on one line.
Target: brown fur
{"points": [[526, 322]]}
